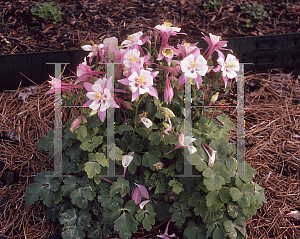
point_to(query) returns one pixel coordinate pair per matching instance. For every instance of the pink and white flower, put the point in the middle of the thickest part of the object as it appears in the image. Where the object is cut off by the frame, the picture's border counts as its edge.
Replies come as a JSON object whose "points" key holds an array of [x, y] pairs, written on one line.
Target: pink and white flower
{"points": [[134, 41], [139, 193], [140, 82], [56, 84], [84, 72], [133, 56], [186, 49], [194, 66], [212, 157], [229, 67], [184, 142], [95, 49], [147, 122], [166, 31], [99, 96], [168, 91], [126, 160], [214, 44], [167, 52]]}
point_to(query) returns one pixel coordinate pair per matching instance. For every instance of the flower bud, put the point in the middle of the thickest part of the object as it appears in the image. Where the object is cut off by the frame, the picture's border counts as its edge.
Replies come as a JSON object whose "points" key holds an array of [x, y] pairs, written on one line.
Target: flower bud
{"points": [[214, 98], [76, 123]]}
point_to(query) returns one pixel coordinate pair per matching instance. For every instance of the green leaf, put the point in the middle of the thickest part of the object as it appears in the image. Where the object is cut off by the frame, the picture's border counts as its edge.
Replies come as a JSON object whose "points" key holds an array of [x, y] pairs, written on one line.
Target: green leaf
{"points": [[82, 195], [192, 231], [259, 194], [219, 233], [32, 193], [115, 153], [155, 138], [197, 160], [72, 232], [199, 203], [92, 168], [224, 194], [96, 232], [81, 133], [125, 127], [180, 211], [230, 229], [97, 140], [212, 177], [134, 163], [239, 224], [70, 184], [94, 122], [244, 173], [147, 217], [235, 194], [121, 186], [130, 207], [114, 212], [46, 142], [87, 146], [150, 158], [232, 210], [69, 217], [125, 225], [162, 210], [177, 187], [43, 188], [227, 123], [100, 158], [213, 201], [156, 102], [106, 199]]}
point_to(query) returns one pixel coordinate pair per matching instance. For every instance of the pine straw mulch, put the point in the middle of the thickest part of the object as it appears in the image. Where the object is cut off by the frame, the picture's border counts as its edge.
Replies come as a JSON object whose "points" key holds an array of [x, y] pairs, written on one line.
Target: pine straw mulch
{"points": [[272, 148]]}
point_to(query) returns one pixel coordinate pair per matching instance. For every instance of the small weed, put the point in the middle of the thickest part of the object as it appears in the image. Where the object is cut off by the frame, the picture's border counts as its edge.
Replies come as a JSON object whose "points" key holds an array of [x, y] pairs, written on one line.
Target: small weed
{"points": [[255, 10], [47, 11], [212, 4]]}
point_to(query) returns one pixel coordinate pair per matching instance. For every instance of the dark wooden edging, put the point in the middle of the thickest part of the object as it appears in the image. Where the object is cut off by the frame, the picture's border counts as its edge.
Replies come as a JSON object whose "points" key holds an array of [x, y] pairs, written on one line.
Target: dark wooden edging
{"points": [[264, 52]]}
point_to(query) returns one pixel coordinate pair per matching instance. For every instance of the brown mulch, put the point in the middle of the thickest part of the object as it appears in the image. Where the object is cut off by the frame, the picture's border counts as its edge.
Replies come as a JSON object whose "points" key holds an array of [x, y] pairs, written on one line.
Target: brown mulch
{"points": [[85, 20], [272, 113]]}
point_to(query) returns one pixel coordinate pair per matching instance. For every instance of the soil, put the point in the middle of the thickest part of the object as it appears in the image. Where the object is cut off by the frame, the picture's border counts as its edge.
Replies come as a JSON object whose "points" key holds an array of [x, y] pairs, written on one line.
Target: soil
{"points": [[85, 20]]}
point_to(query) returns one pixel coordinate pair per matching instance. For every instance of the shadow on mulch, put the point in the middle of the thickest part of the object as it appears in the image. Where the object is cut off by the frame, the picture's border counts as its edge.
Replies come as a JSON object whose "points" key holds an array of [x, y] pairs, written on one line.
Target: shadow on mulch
{"points": [[272, 113]]}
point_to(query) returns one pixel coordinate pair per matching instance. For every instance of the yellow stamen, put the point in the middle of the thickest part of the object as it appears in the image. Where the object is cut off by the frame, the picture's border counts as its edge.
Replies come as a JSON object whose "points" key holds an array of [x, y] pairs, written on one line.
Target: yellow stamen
{"points": [[167, 24], [194, 64], [168, 52], [230, 65], [130, 38], [99, 96], [186, 44], [133, 59], [220, 39], [143, 115], [140, 80]]}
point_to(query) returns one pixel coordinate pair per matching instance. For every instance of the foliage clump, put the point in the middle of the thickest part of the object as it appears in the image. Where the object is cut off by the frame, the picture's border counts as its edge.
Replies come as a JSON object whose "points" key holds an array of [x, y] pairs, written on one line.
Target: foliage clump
{"points": [[47, 11], [160, 124]]}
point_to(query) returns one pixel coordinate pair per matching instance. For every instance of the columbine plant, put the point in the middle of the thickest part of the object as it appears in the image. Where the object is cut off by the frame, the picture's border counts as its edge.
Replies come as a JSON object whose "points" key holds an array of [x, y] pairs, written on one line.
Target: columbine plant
{"points": [[148, 183]]}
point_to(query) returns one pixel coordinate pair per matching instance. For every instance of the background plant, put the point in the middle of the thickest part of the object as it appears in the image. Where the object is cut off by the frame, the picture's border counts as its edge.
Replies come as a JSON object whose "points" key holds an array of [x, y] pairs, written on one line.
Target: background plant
{"points": [[47, 11], [256, 11], [212, 4], [149, 148]]}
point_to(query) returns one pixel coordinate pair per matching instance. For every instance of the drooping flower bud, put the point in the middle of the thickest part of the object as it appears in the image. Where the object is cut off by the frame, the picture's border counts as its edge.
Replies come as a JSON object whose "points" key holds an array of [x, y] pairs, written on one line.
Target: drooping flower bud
{"points": [[214, 98], [168, 92], [212, 157], [76, 122], [126, 160]]}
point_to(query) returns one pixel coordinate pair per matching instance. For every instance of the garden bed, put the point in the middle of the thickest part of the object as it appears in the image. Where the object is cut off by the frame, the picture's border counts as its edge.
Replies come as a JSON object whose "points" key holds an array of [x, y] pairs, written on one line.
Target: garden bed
{"points": [[272, 139]]}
